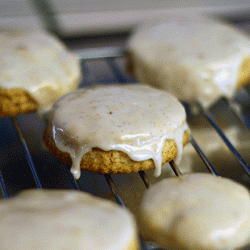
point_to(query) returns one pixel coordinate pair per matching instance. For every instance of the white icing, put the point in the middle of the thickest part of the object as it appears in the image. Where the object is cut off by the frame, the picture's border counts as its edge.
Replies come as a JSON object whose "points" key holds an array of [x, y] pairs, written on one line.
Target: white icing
{"points": [[64, 220], [197, 211], [191, 58], [39, 63], [132, 118]]}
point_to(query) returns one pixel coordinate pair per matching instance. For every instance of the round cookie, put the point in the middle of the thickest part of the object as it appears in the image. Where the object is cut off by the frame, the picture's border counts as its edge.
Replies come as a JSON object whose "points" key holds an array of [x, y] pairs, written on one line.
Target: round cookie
{"points": [[192, 58], [65, 219], [196, 211], [117, 129], [36, 69]]}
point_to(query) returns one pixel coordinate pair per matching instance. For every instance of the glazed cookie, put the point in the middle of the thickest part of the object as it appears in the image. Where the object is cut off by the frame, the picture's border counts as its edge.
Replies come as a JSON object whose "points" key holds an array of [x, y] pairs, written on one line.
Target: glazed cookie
{"points": [[117, 129], [196, 211], [65, 219], [36, 69], [192, 58]]}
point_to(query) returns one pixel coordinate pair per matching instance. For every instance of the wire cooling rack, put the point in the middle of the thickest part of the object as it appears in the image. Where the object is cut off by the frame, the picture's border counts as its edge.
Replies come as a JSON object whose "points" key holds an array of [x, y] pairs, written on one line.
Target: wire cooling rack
{"points": [[25, 163]]}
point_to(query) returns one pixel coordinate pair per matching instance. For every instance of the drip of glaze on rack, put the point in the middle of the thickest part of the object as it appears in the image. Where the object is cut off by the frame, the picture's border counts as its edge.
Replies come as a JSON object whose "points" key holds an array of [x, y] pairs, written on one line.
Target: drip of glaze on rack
{"points": [[25, 163]]}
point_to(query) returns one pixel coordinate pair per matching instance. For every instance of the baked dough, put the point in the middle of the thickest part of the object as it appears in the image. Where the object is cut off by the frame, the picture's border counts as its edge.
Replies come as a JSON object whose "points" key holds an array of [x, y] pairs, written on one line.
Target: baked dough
{"points": [[35, 70], [192, 58], [196, 211], [65, 219], [117, 129]]}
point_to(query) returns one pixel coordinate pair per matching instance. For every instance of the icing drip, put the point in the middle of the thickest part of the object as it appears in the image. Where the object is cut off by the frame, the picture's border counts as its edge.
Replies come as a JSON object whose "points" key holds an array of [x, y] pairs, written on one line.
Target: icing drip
{"points": [[135, 119], [192, 58], [38, 63]]}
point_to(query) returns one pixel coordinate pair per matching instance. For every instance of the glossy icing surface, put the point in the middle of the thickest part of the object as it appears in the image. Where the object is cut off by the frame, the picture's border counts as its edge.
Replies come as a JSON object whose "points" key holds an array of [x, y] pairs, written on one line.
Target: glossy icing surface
{"points": [[194, 58], [39, 63], [64, 220], [132, 118], [197, 211]]}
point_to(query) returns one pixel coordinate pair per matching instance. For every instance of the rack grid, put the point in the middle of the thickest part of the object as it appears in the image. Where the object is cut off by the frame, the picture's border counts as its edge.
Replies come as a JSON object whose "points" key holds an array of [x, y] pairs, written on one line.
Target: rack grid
{"points": [[34, 167]]}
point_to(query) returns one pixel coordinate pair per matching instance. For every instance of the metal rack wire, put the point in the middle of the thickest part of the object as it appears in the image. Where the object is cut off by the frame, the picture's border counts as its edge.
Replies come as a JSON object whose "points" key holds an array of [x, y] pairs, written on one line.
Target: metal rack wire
{"points": [[110, 57]]}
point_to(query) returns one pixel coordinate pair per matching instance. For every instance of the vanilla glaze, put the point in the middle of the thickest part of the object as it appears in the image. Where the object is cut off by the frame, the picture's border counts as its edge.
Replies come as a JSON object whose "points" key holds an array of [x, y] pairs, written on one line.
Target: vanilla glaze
{"points": [[193, 58], [37, 62], [132, 118], [60, 219], [197, 211]]}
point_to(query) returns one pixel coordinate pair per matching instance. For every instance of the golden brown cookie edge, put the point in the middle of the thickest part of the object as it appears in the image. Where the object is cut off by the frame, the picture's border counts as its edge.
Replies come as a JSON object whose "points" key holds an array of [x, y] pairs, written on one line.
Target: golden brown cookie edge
{"points": [[113, 161]]}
